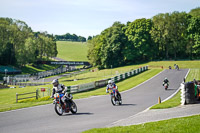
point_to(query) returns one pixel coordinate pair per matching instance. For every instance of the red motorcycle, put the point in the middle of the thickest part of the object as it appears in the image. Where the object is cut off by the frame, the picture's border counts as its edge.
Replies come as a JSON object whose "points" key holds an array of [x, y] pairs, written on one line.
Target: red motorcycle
{"points": [[64, 104], [166, 86]]}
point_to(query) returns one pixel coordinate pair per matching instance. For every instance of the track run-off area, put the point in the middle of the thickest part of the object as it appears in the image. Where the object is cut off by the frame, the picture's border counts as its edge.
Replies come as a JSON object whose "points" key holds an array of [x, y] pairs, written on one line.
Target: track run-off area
{"points": [[93, 112]]}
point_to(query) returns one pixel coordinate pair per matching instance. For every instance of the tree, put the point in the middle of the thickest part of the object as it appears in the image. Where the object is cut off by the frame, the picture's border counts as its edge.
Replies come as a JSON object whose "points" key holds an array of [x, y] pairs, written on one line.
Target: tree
{"points": [[169, 34], [111, 50], [138, 33], [89, 38], [105, 50], [195, 12], [194, 35], [94, 47], [19, 45], [69, 37], [81, 39], [178, 33]]}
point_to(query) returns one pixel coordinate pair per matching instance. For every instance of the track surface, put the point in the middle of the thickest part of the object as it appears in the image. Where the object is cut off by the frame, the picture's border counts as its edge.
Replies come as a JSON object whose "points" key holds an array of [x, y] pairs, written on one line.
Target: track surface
{"points": [[94, 112]]}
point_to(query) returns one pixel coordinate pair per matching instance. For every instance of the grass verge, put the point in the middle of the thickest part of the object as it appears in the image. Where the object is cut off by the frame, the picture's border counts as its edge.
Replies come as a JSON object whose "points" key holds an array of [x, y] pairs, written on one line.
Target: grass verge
{"points": [[177, 125], [173, 102]]}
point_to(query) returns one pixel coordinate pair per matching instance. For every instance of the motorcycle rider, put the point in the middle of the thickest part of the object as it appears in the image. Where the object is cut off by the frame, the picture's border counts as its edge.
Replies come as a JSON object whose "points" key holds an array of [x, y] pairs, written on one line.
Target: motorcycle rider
{"points": [[113, 86], [166, 81], [59, 88]]}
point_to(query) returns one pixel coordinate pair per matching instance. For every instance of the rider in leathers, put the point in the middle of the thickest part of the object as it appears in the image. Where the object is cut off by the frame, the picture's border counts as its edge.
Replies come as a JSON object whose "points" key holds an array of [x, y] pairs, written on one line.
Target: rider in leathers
{"points": [[59, 88], [112, 86], [166, 81]]}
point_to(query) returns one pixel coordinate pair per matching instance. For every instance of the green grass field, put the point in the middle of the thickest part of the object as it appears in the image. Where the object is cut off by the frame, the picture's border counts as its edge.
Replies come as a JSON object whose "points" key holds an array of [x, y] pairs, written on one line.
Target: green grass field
{"points": [[177, 125], [72, 51], [194, 74], [28, 69]]}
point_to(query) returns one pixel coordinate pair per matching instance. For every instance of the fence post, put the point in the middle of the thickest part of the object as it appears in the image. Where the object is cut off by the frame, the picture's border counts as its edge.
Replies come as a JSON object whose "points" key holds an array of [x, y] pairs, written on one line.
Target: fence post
{"points": [[37, 94], [49, 91], [16, 98]]}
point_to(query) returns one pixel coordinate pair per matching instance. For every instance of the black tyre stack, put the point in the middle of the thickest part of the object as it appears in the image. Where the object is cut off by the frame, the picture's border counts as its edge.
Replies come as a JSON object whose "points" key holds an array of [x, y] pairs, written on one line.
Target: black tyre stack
{"points": [[189, 93]]}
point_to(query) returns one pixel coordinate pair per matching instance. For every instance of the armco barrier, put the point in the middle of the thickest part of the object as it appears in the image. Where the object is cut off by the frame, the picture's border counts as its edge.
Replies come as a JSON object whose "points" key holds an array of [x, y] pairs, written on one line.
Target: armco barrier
{"points": [[84, 87], [101, 83], [74, 88]]}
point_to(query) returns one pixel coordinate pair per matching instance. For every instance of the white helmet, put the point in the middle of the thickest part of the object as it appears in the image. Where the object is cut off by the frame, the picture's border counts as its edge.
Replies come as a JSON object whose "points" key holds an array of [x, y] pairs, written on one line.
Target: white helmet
{"points": [[110, 81], [55, 82]]}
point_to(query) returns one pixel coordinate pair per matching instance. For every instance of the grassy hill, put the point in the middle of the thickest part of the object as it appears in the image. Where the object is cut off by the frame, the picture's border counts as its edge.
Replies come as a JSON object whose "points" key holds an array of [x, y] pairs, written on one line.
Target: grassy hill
{"points": [[72, 51]]}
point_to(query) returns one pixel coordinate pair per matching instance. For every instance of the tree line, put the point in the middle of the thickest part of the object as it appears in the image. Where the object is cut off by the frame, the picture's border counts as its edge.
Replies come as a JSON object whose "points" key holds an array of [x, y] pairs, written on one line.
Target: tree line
{"points": [[166, 36], [69, 37], [19, 45]]}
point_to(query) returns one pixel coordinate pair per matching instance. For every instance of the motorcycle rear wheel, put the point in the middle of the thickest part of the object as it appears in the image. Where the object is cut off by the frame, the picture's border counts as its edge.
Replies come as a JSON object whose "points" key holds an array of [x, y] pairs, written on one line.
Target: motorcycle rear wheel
{"points": [[58, 109], [119, 99], [73, 108]]}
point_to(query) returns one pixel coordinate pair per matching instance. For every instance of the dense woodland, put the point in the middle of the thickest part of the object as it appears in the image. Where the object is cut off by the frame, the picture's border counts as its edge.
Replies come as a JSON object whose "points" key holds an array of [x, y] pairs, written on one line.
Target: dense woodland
{"points": [[166, 36], [19, 45]]}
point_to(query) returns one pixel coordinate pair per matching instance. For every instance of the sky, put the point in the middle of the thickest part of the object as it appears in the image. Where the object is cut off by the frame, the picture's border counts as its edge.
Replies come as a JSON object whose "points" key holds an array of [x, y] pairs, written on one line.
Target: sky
{"points": [[86, 17]]}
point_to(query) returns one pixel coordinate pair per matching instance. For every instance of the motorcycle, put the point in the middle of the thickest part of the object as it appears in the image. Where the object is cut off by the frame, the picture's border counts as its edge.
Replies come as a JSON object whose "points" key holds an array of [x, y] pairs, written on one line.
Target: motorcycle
{"points": [[115, 97], [166, 86], [64, 104]]}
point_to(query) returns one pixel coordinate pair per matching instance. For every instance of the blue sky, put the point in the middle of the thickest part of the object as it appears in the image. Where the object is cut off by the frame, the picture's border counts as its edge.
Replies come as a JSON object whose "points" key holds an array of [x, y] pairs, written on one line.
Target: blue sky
{"points": [[86, 17]]}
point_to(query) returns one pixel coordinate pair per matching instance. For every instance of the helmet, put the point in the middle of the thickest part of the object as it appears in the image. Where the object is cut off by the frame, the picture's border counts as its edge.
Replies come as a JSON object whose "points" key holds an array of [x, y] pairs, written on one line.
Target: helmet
{"points": [[165, 77], [55, 82], [110, 81]]}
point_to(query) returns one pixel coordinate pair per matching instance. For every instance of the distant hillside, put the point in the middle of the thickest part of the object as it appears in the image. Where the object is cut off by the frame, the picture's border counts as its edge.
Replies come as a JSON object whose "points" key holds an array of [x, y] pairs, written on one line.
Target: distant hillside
{"points": [[72, 51]]}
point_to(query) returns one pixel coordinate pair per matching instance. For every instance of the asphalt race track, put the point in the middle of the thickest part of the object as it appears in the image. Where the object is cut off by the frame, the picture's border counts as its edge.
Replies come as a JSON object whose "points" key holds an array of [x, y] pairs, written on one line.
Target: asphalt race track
{"points": [[94, 112]]}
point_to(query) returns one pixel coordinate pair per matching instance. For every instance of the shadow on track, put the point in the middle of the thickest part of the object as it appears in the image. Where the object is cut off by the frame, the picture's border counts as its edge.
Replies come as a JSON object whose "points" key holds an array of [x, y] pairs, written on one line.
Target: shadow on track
{"points": [[170, 89], [128, 104], [87, 113]]}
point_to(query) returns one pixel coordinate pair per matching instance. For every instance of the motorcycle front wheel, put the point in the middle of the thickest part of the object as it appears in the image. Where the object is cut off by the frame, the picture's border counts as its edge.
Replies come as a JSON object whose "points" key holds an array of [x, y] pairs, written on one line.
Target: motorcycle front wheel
{"points": [[58, 109], [113, 100], [73, 108]]}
